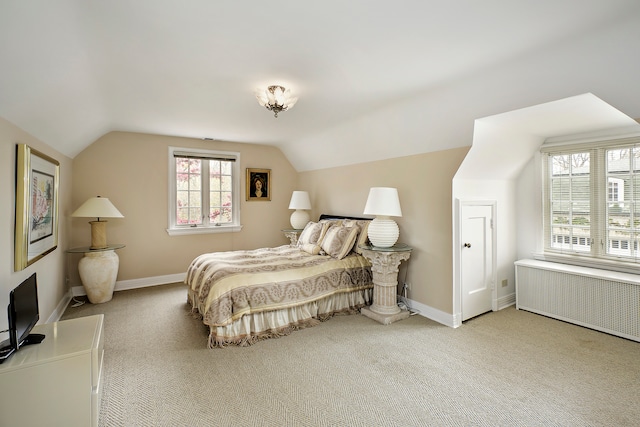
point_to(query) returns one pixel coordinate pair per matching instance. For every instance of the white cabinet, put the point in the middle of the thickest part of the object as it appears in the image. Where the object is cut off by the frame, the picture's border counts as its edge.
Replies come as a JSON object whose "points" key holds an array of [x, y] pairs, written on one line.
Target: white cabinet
{"points": [[57, 382]]}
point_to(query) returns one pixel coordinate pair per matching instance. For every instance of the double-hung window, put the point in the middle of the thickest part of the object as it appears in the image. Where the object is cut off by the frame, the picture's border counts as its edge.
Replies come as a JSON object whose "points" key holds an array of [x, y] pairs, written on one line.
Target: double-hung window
{"points": [[204, 191], [592, 200]]}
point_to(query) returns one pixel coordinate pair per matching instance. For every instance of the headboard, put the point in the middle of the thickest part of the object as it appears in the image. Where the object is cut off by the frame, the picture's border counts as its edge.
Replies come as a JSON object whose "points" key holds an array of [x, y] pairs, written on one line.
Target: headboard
{"points": [[330, 216]]}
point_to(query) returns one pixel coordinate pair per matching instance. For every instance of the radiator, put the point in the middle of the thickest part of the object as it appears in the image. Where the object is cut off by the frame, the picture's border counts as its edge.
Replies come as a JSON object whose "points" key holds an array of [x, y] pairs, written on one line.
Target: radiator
{"points": [[603, 300]]}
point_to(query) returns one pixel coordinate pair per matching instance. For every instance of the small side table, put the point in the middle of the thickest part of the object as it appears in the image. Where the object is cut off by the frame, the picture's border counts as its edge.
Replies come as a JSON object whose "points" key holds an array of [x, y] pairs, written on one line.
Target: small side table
{"points": [[292, 234], [384, 265], [98, 270]]}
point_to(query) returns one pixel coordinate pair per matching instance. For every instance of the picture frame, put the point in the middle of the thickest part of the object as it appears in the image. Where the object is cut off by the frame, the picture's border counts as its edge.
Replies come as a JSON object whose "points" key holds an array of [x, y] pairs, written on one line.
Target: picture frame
{"points": [[36, 225], [258, 184]]}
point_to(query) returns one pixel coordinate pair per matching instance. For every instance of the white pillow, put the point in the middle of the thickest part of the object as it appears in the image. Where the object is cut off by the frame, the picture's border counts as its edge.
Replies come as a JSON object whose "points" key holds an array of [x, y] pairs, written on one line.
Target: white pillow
{"points": [[310, 248]]}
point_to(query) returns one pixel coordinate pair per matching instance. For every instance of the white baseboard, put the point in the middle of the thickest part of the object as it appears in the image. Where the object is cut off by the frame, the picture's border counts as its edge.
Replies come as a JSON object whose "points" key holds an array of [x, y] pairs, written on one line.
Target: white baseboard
{"points": [[506, 301], [432, 313], [60, 308], [125, 285]]}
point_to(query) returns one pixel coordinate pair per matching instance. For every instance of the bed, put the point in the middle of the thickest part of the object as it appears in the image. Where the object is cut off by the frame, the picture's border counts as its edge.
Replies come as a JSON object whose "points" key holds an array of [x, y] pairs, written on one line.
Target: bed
{"points": [[250, 295]]}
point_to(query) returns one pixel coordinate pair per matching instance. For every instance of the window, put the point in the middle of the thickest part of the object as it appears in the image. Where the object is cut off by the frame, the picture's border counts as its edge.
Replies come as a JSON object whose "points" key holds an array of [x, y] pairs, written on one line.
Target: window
{"points": [[592, 200], [204, 191]]}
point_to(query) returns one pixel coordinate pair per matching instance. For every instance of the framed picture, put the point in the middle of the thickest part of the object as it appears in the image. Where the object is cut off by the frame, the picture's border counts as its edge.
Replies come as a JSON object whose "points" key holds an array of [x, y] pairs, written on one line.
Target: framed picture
{"points": [[37, 178], [258, 184]]}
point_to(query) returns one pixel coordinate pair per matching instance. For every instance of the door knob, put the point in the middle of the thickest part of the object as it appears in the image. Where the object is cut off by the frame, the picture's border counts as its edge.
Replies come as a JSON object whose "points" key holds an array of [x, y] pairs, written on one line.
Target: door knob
{"points": [[467, 245]]}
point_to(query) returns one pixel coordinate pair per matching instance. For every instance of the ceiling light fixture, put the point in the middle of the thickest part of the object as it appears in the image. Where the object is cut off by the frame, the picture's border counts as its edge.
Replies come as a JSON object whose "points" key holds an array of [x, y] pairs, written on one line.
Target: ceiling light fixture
{"points": [[276, 99]]}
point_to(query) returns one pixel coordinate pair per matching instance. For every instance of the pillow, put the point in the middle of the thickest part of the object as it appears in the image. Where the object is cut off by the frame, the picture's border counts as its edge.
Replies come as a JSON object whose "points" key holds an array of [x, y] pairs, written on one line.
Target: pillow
{"points": [[310, 248], [339, 240], [363, 237], [312, 234]]}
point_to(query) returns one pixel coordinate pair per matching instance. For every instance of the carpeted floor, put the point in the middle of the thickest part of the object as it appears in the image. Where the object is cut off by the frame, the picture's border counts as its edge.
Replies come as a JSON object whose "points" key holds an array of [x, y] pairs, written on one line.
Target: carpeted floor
{"points": [[509, 368]]}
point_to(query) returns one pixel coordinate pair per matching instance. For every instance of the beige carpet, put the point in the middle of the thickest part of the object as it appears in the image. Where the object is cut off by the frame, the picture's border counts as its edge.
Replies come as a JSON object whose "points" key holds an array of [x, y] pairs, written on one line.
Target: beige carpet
{"points": [[509, 368]]}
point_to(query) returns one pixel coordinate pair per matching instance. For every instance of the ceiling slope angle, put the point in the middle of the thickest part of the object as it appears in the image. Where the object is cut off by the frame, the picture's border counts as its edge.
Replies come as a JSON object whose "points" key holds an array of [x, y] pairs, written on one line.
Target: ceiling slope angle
{"points": [[518, 134]]}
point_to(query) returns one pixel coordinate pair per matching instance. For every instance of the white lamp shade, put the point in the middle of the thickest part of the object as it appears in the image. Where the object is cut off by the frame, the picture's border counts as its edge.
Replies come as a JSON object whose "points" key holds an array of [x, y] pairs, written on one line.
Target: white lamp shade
{"points": [[300, 200], [98, 207], [383, 201]]}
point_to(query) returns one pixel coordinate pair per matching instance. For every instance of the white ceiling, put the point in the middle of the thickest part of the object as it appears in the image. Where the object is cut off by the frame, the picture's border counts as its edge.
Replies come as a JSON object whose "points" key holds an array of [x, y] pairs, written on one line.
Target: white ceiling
{"points": [[375, 79]]}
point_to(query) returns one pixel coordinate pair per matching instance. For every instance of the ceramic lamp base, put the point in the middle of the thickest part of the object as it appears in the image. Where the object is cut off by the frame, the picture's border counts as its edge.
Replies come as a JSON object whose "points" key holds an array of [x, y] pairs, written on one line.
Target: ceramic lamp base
{"points": [[299, 219], [98, 271], [98, 234], [383, 232]]}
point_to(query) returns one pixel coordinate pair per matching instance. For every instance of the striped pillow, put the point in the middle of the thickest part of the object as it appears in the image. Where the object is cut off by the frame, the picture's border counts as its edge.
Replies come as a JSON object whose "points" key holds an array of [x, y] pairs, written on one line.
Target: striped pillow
{"points": [[312, 234], [339, 240], [363, 237]]}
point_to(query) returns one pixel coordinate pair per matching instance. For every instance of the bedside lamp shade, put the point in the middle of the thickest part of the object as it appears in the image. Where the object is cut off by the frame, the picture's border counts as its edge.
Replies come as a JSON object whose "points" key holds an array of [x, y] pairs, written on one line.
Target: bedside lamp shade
{"points": [[98, 207], [383, 202], [301, 203]]}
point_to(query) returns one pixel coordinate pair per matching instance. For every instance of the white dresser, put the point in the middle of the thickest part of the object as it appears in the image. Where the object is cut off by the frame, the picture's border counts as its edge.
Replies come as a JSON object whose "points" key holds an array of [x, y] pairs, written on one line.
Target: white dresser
{"points": [[57, 382]]}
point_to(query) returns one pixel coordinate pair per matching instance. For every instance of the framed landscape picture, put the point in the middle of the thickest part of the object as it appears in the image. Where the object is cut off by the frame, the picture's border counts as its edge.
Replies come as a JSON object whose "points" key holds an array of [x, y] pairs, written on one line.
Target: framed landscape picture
{"points": [[258, 184], [37, 178]]}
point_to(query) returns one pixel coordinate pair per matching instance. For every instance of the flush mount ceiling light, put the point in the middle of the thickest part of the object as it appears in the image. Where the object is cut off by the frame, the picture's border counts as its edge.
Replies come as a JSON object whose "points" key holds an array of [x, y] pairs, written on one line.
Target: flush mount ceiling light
{"points": [[276, 99]]}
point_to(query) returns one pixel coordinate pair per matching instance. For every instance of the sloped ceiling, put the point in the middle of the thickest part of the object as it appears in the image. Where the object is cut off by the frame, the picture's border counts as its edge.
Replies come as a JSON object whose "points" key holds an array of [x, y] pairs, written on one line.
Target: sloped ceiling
{"points": [[375, 79]]}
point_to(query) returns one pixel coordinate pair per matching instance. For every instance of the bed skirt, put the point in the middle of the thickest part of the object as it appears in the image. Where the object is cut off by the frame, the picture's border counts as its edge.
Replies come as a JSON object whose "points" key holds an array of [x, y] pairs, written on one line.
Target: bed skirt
{"points": [[253, 327]]}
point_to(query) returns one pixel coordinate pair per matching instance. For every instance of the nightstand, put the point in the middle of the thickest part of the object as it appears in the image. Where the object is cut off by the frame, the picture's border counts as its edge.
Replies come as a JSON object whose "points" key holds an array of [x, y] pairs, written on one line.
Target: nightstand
{"points": [[292, 234], [384, 265], [98, 270]]}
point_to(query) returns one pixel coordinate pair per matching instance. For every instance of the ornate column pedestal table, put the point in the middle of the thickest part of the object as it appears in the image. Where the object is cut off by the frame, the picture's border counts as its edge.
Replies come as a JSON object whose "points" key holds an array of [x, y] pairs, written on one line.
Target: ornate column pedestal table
{"points": [[292, 234], [384, 265], [98, 270]]}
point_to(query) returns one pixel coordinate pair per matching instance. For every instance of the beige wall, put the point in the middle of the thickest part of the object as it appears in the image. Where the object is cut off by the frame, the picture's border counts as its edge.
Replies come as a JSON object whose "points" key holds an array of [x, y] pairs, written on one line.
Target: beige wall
{"points": [[424, 185], [131, 169], [51, 269]]}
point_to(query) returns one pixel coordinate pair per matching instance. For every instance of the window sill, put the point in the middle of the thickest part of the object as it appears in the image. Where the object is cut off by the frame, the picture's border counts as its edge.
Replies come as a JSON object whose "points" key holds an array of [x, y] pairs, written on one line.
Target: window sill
{"points": [[181, 231], [583, 261]]}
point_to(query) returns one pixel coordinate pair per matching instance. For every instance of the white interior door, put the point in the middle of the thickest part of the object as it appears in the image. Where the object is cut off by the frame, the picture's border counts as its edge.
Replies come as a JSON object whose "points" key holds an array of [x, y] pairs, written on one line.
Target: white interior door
{"points": [[476, 260]]}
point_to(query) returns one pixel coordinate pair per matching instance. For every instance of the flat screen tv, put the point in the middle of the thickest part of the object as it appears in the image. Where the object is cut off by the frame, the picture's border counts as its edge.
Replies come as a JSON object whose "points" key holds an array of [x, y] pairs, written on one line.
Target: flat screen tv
{"points": [[23, 315]]}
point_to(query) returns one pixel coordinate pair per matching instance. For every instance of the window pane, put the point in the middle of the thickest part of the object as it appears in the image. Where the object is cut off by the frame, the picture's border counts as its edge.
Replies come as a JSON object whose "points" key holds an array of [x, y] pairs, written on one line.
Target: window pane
{"points": [[195, 215], [182, 216], [618, 160], [225, 183], [194, 181], [225, 215], [182, 165], [214, 183], [214, 199], [623, 190], [226, 199], [182, 199], [225, 168], [214, 215], [570, 204], [194, 199]]}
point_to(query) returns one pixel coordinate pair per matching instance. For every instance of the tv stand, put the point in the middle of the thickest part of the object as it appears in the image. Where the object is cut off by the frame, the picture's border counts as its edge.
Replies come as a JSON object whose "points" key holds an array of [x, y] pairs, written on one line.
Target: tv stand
{"points": [[57, 382], [34, 339]]}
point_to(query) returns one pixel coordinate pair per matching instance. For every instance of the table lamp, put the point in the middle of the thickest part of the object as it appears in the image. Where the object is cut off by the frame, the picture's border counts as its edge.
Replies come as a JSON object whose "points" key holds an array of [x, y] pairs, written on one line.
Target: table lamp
{"points": [[301, 203], [383, 202], [98, 207]]}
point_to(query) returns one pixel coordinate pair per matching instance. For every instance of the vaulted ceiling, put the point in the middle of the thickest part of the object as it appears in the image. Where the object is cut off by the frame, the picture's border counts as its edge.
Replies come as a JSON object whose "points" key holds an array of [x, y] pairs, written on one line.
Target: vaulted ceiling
{"points": [[375, 79]]}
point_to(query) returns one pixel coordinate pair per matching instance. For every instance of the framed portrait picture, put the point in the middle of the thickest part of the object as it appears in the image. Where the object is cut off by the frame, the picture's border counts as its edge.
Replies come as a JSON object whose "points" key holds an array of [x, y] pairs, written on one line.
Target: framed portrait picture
{"points": [[258, 184], [37, 178]]}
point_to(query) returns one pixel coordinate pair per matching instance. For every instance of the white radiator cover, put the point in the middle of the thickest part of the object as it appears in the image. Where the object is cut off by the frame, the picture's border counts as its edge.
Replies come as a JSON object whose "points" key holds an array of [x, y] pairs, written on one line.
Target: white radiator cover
{"points": [[607, 301]]}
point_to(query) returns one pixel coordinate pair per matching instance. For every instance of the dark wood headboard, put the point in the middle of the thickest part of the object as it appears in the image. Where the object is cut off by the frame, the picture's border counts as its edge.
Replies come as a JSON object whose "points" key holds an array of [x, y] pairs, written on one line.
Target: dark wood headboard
{"points": [[330, 216]]}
